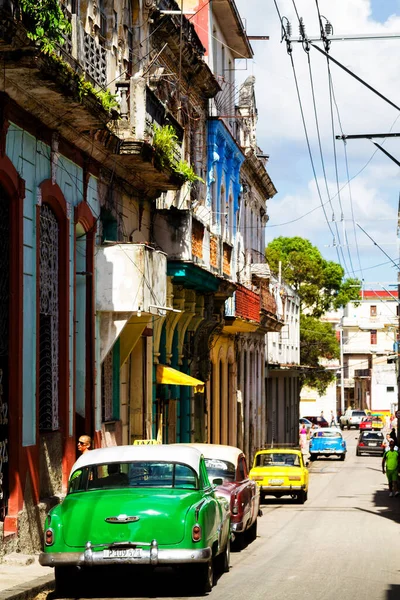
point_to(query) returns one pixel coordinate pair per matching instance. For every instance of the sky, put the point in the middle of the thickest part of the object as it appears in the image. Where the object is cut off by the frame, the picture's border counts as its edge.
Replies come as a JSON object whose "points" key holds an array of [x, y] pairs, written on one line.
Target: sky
{"points": [[345, 198]]}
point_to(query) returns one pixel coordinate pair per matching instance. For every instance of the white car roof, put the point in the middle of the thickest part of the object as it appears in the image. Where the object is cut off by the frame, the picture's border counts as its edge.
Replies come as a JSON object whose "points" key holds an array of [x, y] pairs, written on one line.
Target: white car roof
{"points": [[334, 429], [164, 452], [218, 451]]}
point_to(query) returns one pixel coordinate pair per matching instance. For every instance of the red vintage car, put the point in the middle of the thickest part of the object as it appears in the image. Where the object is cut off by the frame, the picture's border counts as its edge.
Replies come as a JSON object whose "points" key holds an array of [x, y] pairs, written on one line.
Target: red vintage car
{"points": [[366, 424], [227, 469]]}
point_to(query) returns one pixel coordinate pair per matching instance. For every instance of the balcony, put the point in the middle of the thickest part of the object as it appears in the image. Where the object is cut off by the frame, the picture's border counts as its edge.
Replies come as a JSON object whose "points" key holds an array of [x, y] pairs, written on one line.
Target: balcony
{"points": [[49, 88], [272, 318], [131, 280], [242, 311]]}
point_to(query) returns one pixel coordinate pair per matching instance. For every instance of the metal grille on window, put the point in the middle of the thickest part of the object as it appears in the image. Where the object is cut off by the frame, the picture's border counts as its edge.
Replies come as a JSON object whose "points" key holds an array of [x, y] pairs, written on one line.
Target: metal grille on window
{"points": [[49, 320], [107, 388], [4, 341], [95, 57]]}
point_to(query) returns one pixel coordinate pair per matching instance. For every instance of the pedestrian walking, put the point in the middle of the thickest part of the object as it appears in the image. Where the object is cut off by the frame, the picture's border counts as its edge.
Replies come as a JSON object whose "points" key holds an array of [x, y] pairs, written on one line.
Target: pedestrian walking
{"points": [[332, 421], [303, 442], [387, 441], [390, 461], [393, 435], [84, 443]]}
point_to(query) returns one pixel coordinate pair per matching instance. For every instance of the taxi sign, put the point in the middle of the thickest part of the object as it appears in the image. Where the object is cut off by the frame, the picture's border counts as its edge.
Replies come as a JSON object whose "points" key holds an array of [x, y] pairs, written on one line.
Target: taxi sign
{"points": [[145, 442]]}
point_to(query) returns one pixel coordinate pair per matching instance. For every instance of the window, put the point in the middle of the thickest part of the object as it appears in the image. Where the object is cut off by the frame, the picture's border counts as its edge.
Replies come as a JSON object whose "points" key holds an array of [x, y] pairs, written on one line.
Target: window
{"points": [[146, 474], [374, 336], [372, 311], [48, 320], [220, 468], [390, 388]]}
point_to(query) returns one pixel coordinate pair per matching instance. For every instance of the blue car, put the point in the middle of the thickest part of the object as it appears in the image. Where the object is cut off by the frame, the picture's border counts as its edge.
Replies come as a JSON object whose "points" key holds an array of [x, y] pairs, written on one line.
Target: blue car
{"points": [[327, 442]]}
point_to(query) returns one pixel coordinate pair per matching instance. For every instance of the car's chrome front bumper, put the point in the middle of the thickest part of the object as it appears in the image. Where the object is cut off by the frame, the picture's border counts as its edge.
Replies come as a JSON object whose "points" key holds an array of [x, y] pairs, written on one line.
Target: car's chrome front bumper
{"points": [[150, 554]]}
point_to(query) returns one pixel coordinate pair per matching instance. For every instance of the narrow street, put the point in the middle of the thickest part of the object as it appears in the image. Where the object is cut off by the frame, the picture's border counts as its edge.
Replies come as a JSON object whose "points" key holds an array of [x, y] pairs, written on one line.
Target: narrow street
{"points": [[341, 544]]}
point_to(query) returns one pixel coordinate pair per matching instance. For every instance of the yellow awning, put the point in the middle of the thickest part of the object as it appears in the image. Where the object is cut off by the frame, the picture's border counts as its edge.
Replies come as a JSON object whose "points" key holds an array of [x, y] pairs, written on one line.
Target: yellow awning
{"points": [[173, 376]]}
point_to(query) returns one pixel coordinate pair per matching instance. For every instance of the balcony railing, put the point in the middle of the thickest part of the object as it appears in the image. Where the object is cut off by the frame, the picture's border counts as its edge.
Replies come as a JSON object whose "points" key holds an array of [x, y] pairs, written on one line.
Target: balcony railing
{"points": [[129, 278], [268, 302]]}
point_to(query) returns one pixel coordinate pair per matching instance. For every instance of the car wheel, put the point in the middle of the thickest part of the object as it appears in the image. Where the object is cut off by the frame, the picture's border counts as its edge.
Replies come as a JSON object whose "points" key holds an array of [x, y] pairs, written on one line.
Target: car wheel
{"points": [[301, 497], [206, 577], [342, 456], [306, 496], [222, 561], [252, 532], [262, 498], [341, 427], [64, 578], [357, 453], [313, 457]]}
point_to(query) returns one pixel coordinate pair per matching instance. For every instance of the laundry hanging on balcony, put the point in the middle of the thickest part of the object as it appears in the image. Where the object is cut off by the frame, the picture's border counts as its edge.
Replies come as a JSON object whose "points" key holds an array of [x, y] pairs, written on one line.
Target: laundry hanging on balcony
{"points": [[173, 376]]}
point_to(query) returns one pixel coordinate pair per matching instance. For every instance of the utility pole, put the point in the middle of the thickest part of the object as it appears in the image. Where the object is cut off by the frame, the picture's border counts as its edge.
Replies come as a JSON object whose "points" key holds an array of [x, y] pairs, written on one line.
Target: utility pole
{"points": [[398, 329], [342, 410]]}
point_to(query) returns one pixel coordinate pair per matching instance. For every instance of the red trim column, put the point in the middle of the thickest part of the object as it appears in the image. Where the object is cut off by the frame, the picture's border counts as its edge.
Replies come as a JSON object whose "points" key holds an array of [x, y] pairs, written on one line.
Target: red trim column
{"points": [[14, 186]]}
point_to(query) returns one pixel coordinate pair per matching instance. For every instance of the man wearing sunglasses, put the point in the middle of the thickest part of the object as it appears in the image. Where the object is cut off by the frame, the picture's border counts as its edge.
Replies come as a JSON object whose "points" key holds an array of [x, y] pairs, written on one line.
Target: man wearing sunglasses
{"points": [[84, 443]]}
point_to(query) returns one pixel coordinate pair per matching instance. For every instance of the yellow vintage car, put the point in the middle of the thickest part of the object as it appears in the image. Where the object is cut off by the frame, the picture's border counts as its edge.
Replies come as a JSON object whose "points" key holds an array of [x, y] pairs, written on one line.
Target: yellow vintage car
{"points": [[280, 472]]}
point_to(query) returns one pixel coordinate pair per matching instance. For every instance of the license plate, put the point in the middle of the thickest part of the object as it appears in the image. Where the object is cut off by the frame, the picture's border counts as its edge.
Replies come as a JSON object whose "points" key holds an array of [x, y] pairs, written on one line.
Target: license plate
{"points": [[373, 444], [275, 481], [123, 553]]}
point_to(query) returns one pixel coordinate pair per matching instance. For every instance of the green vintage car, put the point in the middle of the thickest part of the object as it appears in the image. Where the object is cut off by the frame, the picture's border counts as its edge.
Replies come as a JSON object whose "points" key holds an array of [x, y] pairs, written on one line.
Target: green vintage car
{"points": [[138, 505]]}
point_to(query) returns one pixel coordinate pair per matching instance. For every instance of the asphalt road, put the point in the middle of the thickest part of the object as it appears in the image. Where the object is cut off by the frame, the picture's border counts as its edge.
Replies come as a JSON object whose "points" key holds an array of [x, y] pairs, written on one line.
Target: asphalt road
{"points": [[342, 544]]}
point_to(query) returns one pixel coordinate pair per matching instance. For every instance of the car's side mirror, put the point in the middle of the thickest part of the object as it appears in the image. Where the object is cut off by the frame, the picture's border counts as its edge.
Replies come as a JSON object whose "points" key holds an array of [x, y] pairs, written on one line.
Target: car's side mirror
{"points": [[218, 481]]}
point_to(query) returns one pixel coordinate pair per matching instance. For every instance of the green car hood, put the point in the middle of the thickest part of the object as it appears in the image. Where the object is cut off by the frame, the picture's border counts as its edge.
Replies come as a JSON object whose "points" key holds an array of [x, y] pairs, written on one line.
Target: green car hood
{"points": [[161, 516]]}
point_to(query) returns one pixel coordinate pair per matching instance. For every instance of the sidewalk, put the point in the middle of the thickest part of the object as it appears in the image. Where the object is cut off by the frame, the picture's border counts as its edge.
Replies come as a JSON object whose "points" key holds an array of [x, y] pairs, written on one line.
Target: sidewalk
{"points": [[22, 578]]}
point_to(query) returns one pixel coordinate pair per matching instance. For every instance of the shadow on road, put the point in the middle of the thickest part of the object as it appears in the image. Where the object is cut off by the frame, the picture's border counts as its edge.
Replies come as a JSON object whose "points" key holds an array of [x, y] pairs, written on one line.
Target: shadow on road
{"points": [[135, 582], [393, 593], [387, 507]]}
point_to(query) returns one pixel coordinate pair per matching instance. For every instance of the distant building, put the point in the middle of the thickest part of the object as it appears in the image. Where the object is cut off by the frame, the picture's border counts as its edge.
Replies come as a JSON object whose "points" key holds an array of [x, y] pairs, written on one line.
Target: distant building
{"points": [[369, 346]]}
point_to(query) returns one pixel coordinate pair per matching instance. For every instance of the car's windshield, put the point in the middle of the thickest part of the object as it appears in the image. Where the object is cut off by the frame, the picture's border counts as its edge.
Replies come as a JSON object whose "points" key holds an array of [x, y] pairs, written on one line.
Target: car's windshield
{"points": [[220, 468], [327, 434], [372, 435], [138, 474], [358, 413], [277, 459]]}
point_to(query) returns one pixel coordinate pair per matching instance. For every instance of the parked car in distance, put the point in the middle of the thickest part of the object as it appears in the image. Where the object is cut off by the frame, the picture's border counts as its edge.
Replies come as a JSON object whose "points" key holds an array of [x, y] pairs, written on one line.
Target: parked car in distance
{"points": [[138, 505], [327, 442], [318, 421], [280, 472], [377, 423], [352, 418], [366, 424], [370, 442], [306, 422], [228, 464]]}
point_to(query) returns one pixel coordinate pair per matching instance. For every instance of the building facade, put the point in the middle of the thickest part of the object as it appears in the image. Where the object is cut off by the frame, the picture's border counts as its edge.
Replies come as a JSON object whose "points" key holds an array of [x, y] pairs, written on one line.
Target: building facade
{"points": [[135, 293], [369, 352], [283, 374]]}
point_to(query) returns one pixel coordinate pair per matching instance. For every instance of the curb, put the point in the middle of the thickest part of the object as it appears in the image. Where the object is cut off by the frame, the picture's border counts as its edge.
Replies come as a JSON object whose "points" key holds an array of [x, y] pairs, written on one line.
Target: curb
{"points": [[27, 591]]}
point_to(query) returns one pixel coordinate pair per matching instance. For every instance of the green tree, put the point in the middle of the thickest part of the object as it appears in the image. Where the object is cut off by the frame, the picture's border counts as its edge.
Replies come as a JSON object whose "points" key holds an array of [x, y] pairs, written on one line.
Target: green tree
{"points": [[317, 341], [321, 286], [318, 282]]}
